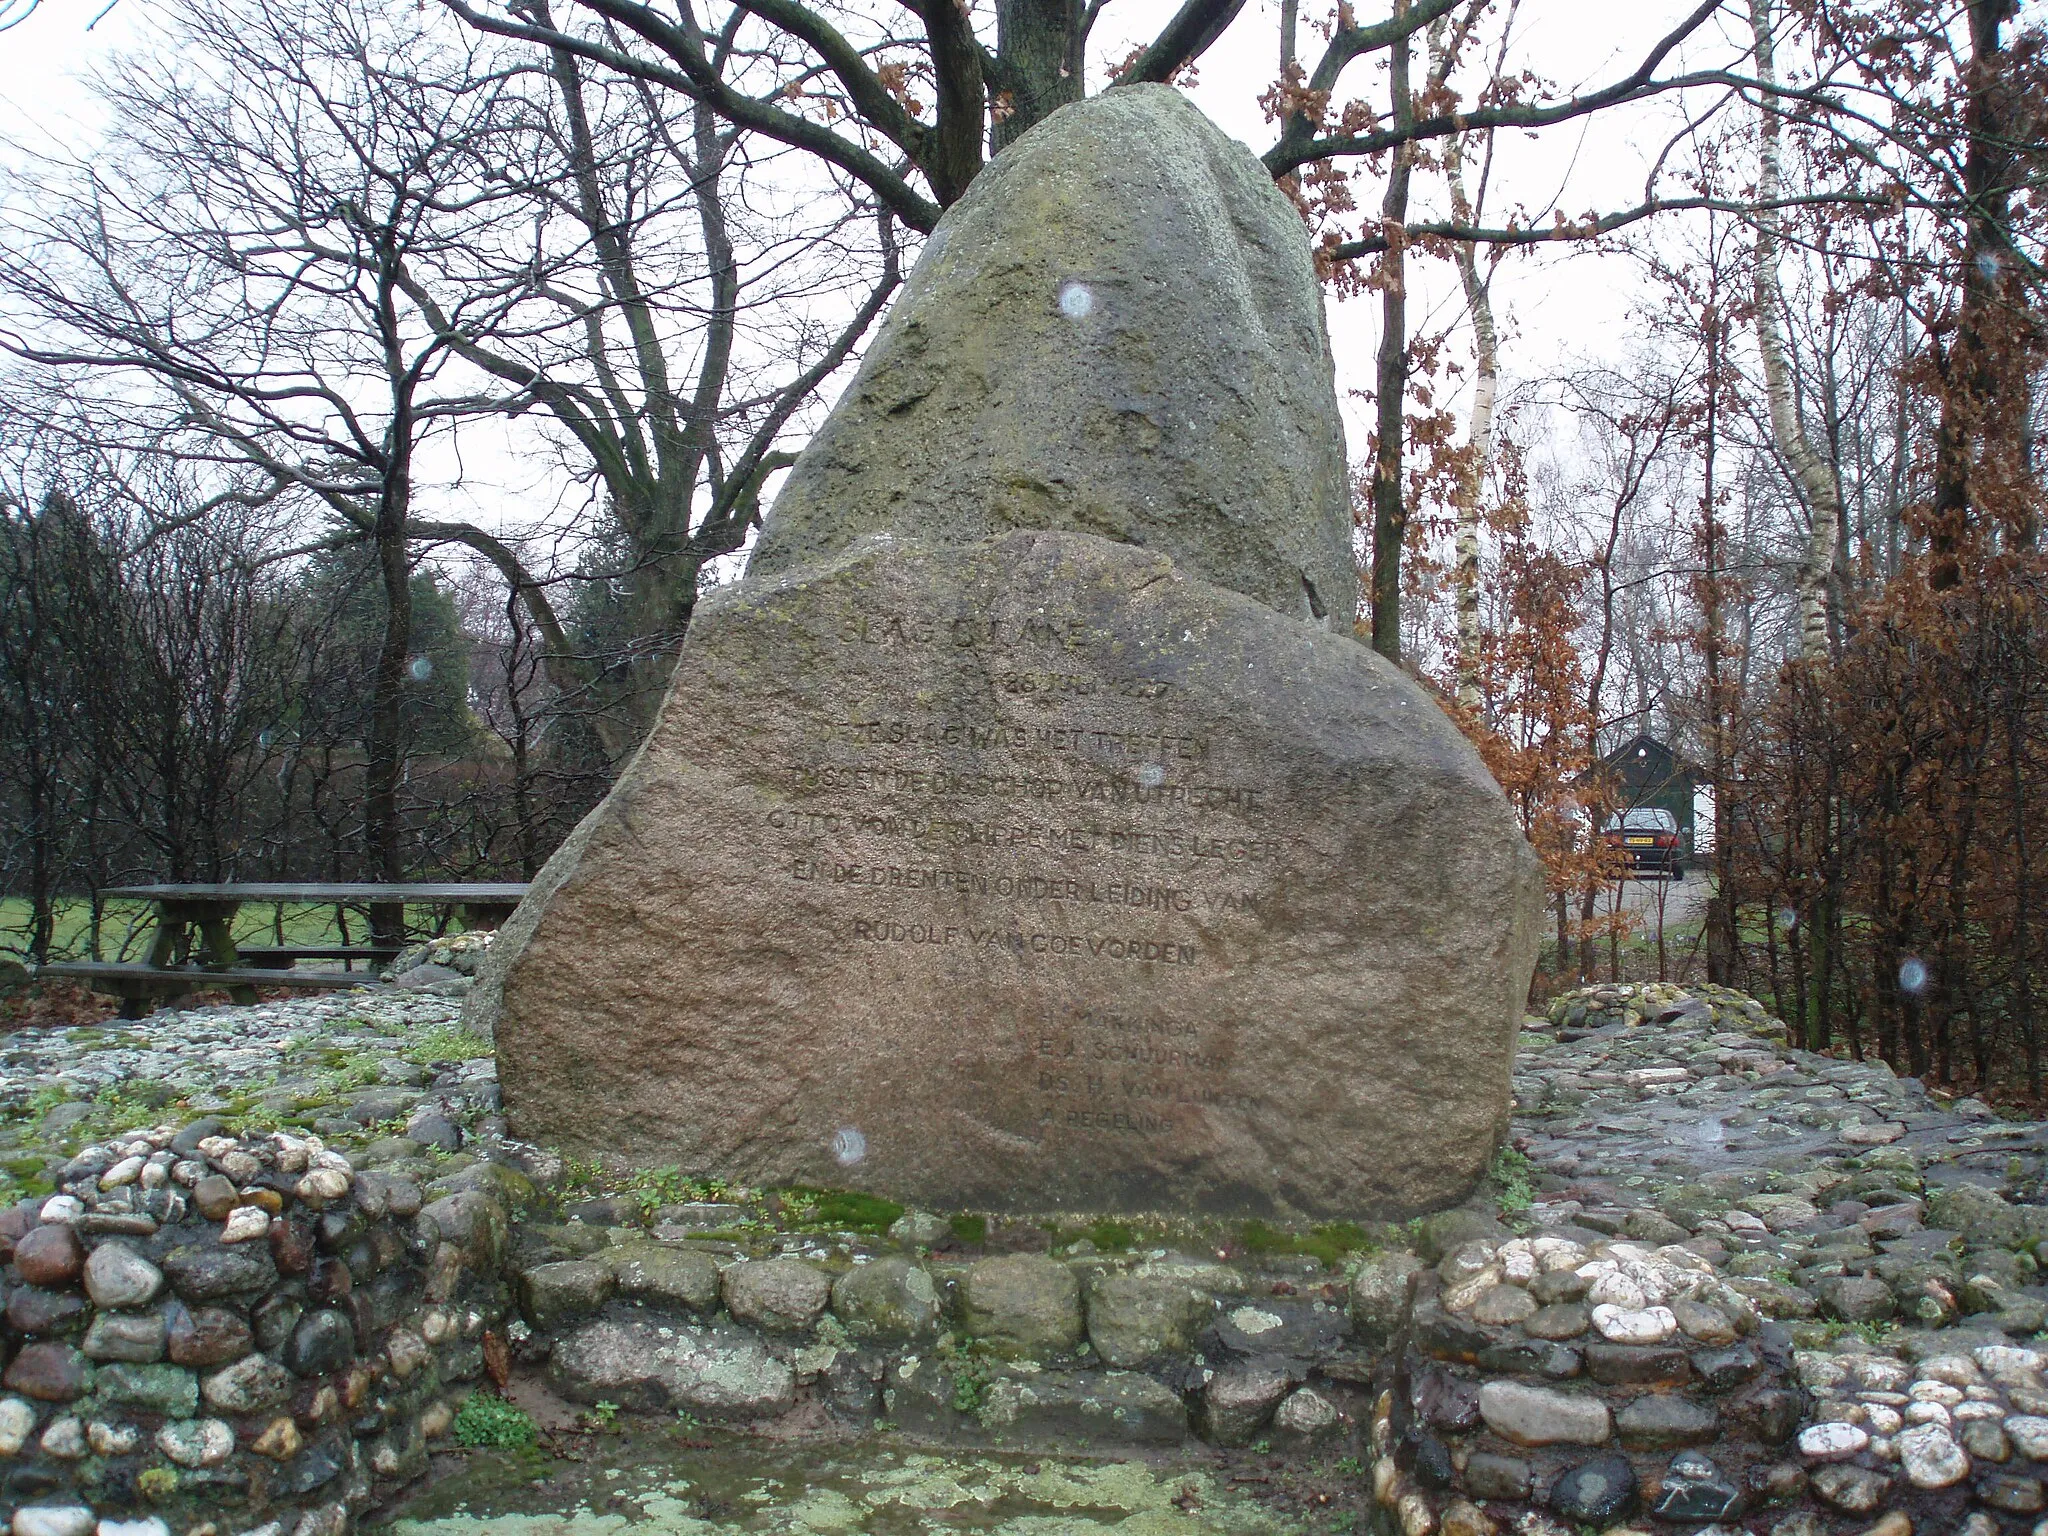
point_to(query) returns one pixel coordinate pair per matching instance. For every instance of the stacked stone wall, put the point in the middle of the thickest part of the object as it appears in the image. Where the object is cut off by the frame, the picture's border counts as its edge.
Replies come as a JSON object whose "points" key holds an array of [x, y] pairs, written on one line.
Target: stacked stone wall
{"points": [[211, 1336]]}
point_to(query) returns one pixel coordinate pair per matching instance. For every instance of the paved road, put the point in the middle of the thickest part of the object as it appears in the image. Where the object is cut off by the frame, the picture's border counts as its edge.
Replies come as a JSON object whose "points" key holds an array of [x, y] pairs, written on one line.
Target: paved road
{"points": [[1685, 901]]}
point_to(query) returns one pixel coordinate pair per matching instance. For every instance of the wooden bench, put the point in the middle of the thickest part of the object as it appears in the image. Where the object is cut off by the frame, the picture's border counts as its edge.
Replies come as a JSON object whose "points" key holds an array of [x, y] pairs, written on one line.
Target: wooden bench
{"points": [[210, 910], [278, 956]]}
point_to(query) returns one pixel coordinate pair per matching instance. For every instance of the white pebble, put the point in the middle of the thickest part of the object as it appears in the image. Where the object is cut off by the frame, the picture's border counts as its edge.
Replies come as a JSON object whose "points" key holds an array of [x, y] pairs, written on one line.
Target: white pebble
{"points": [[64, 1439], [244, 1223], [112, 1439], [1931, 1457], [1878, 1373], [53, 1520], [1647, 1325], [1956, 1370], [1826, 1442], [2003, 1359], [2030, 1434], [17, 1423], [1818, 1372], [64, 1208], [323, 1186], [1617, 1290]]}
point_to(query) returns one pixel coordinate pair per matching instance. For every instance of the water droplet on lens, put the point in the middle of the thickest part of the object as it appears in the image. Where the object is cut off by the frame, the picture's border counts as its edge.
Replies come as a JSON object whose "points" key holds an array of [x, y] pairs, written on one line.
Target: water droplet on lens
{"points": [[421, 669], [1077, 300], [1151, 776], [1787, 919], [1913, 974], [848, 1146]]}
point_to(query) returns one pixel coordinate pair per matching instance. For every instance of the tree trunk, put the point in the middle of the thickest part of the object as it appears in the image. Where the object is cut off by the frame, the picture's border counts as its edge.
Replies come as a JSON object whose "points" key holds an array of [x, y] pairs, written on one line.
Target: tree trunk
{"points": [[1721, 930], [384, 751], [1040, 45], [1478, 455], [1389, 513], [1972, 409], [1814, 476]]}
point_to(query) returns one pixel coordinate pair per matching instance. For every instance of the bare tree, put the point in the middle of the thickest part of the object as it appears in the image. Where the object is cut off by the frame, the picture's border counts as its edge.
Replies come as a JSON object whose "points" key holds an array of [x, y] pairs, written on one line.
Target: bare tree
{"points": [[248, 257], [659, 200]]}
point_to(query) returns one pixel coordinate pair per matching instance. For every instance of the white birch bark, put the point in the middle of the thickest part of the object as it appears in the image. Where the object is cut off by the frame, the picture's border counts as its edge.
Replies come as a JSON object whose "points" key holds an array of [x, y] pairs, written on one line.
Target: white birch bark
{"points": [[1485, 388], [1810, 471], [1479, 446]]}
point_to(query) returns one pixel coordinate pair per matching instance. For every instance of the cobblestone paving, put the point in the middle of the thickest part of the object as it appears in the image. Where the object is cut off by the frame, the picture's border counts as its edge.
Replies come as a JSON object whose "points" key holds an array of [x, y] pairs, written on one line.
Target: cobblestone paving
{"points": [[352, 1059], [1893, 1234], [1897, 1236]]}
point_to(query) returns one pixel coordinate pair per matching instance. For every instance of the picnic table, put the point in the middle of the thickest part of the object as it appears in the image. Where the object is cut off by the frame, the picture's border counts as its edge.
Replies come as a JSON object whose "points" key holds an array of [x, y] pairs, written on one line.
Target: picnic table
{"points": [[177, 965]]}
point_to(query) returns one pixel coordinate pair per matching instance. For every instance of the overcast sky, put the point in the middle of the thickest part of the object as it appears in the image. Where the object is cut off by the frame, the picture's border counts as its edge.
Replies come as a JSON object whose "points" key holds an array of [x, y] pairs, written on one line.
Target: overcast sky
{"points": [[1552, 305]]}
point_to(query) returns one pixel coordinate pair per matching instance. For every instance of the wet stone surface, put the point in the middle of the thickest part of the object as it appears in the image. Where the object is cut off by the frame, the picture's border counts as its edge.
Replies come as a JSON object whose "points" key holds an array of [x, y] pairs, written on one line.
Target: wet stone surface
{"points": [[1790, 1296]]}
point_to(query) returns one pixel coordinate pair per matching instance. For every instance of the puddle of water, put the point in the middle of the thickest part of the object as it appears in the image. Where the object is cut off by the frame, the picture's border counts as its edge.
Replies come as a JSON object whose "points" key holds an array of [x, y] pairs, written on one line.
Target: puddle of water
{"points": [[643, 1485]]}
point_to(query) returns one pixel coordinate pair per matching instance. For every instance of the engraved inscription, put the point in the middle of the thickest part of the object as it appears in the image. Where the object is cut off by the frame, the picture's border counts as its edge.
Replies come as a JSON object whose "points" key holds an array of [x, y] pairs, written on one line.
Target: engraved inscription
{"points": [[1055, 813], [1072, 946], [1127, 1075], [940, 834]]}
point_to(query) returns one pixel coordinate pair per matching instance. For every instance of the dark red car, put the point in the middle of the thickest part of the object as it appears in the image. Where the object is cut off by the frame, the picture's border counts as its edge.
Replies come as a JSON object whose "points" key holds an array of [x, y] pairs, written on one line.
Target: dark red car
{"points": [[1649, 836]]}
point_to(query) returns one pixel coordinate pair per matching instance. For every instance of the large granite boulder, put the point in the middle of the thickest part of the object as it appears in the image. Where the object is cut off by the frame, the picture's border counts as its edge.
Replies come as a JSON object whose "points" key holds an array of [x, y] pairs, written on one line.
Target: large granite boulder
{"points": [[1031, 873], [1028, 829], [1117, 331]]}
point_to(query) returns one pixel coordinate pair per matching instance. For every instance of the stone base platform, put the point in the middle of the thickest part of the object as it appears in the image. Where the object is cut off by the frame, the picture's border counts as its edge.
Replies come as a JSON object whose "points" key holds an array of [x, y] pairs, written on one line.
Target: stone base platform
{"points": [[1723, 1285]]}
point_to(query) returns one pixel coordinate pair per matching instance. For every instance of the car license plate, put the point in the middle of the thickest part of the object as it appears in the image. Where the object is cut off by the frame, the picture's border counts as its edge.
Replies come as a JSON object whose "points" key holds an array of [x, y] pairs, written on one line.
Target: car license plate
{"points": [[1642, 842]]}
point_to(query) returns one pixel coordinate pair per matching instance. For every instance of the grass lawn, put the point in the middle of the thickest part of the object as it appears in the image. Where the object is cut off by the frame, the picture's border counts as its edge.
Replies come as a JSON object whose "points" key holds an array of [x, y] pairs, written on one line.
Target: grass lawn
{"points": [[125, 927]]}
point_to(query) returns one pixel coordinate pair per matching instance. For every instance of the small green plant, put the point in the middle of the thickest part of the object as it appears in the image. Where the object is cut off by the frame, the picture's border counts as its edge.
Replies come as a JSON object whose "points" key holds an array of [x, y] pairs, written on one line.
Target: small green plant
{"points": [[688, 1421], [1350, 1466], [1332, 1241], [1343, 1522], [839, 1209], [45, 1099], [1262, 1447], [971, 1230], [489, 1422], [130, 1106], [443, 1042], [157, 1484], [970, 1387], [603, 1415], [1112, 1236], [1511, 1173], [970, 1374], [656, 1187]]}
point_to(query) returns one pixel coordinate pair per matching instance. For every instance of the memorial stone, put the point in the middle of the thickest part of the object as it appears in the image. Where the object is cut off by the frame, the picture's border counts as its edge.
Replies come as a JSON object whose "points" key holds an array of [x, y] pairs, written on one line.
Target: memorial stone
{"points": [[1087, 864]]}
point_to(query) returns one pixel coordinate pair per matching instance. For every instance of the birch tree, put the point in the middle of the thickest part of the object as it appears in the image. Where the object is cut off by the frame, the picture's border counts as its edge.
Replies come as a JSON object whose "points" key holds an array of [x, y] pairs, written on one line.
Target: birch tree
{"points": [[1811, 472]]}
